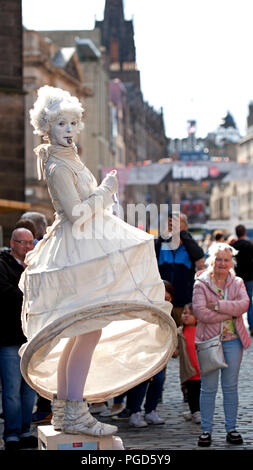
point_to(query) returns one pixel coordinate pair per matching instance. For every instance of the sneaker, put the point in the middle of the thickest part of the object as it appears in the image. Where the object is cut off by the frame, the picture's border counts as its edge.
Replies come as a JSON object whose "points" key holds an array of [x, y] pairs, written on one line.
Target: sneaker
{"points": [[125, 414], [11, 445], [97, 408], [196, 417], [113, 411], [136, 420], [187, 415], [40, 417], [205, 440], [154, 418], [233, 437], [28, 442]]}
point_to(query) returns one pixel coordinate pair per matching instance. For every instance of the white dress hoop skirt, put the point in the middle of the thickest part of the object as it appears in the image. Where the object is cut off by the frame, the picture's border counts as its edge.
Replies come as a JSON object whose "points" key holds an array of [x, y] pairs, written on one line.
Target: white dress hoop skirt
{"points": [[75, 286]]}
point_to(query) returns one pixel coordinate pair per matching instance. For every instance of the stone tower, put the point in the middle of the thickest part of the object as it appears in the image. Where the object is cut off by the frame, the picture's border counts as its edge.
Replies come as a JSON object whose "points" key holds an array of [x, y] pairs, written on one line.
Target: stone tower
{"points": [[117, 35]]}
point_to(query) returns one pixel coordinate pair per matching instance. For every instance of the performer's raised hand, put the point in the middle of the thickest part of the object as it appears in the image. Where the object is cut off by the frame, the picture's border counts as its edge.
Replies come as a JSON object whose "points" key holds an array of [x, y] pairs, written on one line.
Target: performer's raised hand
{"points": [[110, 181]]}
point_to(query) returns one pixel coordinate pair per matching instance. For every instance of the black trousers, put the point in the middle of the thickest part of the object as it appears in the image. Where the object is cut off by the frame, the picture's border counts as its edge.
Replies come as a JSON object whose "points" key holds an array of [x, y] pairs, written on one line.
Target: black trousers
{"points": [[193, 392], [43, 404]]}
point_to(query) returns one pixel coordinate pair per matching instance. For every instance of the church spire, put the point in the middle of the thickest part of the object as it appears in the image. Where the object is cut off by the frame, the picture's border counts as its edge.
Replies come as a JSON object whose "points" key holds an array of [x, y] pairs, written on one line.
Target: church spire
{"points": [[114, 11], [117, 35]]}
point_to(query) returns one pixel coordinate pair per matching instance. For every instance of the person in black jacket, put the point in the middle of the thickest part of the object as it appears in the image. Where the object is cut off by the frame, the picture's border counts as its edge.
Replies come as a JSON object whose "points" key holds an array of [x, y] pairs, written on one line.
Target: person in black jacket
{"points": [[17, 396], [244, 267], [179, 266]]}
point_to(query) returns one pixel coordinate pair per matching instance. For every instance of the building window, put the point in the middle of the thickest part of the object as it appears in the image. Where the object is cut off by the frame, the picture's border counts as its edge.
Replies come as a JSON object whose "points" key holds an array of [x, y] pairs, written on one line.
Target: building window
{"points": [[114, 50]]}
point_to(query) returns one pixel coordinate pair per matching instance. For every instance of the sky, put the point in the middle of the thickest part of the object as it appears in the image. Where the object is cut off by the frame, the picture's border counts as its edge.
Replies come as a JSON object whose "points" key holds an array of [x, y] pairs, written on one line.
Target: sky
{"points": [[194, 57]]}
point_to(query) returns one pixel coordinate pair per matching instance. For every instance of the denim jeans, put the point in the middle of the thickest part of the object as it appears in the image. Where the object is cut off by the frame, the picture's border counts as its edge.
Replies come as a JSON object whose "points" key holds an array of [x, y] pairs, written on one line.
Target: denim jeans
{"points": [[17, 396], [233, 351], [249, 289]]}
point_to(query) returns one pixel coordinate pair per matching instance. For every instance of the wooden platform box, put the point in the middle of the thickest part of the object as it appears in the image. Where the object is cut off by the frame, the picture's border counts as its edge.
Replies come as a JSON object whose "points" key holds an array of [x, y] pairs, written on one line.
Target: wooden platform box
{"points": [[49, 439]]}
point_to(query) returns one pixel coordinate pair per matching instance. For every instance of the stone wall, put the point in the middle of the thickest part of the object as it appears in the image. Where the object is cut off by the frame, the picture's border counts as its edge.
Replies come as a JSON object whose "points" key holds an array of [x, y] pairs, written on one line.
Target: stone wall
{"points": [[11, 110]]}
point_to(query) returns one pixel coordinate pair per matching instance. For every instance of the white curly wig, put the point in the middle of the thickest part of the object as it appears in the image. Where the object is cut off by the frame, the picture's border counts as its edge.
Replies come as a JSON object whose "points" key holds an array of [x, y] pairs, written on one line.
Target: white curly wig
{"points": [[50, 104]]}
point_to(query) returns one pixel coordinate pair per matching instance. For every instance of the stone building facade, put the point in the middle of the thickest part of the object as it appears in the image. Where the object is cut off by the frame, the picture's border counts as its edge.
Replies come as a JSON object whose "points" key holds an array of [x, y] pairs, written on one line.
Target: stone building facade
{"points": [[245, 150], [118, 107], [239, 193], [12, 164]]}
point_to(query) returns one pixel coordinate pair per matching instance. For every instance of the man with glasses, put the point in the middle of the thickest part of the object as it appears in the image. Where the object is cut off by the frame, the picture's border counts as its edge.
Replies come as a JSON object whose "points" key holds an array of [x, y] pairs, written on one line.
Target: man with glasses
{"points": [[17, 396]]}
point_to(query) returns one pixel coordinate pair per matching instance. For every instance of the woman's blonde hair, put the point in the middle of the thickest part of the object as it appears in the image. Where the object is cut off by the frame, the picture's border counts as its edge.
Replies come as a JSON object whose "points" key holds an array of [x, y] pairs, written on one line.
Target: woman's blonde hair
{"points": [[214, 249], [51, 103]]}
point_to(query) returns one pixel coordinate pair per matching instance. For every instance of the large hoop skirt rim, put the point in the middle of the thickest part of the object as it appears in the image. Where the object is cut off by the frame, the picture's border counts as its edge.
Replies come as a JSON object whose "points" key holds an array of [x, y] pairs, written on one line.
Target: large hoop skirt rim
{"points": [[56, 329]]}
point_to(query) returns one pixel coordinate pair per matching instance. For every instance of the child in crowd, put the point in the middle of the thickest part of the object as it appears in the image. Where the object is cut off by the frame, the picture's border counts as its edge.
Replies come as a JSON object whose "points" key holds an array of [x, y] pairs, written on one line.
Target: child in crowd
{"points": [[189, 367]]}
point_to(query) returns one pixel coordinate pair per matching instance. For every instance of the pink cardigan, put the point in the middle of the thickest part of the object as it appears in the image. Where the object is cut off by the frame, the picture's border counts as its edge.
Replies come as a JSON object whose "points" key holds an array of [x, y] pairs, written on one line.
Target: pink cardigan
{"points": [[236, 303]]}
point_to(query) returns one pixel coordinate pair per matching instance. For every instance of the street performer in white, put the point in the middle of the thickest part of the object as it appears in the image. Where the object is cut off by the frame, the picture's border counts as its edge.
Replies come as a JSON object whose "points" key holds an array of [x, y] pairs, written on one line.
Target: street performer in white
{"points": [[93, 310]]}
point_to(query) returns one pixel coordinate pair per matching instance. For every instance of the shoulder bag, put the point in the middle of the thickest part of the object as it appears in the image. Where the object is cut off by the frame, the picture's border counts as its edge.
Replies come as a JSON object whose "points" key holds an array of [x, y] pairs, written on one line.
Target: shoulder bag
{"points": [[210, 354]]}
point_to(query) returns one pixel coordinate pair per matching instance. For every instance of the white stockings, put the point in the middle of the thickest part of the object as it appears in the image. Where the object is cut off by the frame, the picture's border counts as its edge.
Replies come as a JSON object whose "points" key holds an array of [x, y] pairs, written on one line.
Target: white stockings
{"points": [[74, 365]]}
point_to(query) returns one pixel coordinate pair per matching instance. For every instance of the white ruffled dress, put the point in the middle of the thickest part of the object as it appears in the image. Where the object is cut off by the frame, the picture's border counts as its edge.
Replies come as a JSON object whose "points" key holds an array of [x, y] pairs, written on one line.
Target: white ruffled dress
{"points": [[74, 285]]}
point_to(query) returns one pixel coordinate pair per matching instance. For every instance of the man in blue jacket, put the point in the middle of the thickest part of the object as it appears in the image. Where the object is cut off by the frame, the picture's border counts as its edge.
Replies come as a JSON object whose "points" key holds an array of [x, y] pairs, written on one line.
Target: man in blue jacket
{"points": [[179, 266]]}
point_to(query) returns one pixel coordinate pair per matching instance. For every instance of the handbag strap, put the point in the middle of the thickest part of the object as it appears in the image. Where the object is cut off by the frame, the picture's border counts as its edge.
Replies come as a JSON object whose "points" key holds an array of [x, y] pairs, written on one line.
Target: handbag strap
{"points": [[225, 297]]}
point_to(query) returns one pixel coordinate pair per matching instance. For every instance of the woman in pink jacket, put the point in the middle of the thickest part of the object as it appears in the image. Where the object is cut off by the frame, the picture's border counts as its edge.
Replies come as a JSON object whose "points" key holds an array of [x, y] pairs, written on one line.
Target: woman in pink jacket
{"points": [[220, 297]]}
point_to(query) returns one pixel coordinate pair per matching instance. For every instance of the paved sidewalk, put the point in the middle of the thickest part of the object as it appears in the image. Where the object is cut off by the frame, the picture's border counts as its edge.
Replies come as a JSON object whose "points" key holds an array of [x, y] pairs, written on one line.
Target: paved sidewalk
{"points": [[178, 434]]}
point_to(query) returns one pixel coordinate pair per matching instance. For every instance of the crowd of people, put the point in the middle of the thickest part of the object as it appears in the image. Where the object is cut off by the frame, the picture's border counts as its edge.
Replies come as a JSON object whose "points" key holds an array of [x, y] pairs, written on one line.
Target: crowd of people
{"points": [[210, 288]]}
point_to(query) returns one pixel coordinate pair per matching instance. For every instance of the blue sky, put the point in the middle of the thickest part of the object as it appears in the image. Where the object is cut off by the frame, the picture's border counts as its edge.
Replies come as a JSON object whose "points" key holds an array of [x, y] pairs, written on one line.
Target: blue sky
{"points": [[195, 57]]}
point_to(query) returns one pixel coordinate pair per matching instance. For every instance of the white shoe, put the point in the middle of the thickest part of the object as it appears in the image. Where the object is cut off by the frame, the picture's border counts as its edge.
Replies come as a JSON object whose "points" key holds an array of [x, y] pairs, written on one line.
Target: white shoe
{"points": [[78, 420], [111, 412], [58, 413], [136, 420], [196, 417], [97, 408], [154, 418], [187, 415]]}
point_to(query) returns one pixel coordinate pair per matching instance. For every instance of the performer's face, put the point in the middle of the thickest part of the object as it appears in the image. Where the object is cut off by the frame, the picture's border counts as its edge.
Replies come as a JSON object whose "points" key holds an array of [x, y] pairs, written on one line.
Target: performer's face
{"points": [[64, 130]]}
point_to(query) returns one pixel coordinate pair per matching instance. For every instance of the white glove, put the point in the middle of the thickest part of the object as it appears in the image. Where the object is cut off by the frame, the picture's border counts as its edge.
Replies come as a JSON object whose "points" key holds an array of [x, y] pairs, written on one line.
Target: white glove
{"points": [[110, 182]]}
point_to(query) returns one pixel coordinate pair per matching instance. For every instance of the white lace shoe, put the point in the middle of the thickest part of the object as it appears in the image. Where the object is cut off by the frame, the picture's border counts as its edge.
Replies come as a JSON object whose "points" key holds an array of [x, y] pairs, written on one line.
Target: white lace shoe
{"points": [[78, 420], [196, 417], [136, 420], [187, 415], [58, 413], [113, 411], [154, 418], [97, 408]]}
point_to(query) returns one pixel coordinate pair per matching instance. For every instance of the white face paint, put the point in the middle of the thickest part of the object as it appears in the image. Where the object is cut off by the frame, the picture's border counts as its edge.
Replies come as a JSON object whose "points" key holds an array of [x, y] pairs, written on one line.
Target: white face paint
{"points": [[64, 130]]}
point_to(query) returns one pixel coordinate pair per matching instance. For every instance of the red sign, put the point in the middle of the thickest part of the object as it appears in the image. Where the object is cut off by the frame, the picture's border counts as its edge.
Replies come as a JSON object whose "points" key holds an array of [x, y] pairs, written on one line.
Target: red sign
{"points": [[214, 171]]}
